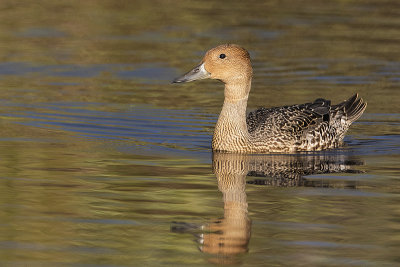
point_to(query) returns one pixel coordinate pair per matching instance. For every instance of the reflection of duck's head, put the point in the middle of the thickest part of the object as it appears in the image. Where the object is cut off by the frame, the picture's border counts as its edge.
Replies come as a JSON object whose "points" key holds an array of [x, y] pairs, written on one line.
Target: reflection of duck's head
{"points": [[229, 236]]}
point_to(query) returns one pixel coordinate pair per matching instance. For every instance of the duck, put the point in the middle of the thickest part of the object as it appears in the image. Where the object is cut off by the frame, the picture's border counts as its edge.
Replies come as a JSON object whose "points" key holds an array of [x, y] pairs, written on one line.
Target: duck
{"points": [[313, 126]]}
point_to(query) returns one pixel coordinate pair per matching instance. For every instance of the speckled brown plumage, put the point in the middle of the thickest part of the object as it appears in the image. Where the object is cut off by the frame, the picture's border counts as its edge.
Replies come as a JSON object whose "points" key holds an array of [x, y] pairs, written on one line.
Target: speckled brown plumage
{"points": [[310, 126]]}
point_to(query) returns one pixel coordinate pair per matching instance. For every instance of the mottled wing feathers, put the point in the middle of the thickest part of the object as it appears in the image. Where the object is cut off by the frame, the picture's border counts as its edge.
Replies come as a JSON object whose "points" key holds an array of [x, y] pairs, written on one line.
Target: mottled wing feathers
{"points": [[316, 125], [290, 118]]}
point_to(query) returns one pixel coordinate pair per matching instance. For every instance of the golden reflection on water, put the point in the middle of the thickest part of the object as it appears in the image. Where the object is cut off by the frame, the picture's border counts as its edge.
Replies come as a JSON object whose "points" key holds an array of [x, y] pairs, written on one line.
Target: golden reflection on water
{"points": [[229, 236]]}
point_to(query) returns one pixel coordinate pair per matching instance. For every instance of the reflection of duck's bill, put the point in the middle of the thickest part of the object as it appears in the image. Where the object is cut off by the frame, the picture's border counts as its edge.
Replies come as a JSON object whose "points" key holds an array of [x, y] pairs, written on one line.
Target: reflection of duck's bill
{"points": [[198, 73]]}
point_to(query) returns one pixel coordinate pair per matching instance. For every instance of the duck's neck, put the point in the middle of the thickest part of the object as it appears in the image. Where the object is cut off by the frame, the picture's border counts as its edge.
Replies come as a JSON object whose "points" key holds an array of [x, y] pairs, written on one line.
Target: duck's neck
{"points": [[231, 133]]}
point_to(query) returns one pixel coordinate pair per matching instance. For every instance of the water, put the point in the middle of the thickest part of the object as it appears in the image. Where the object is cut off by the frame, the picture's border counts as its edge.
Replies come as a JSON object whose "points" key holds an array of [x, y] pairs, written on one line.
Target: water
{"points": [[105, 163]]}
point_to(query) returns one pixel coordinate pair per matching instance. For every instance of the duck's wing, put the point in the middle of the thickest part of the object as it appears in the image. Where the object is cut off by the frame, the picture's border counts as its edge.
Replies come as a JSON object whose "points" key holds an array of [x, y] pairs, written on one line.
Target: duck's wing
{"points": [[297, 120], [289, 118]]}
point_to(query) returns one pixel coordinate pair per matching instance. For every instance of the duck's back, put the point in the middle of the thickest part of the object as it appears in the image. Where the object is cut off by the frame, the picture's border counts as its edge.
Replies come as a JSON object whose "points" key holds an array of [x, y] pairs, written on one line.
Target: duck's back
{"points": [[310, 126]]}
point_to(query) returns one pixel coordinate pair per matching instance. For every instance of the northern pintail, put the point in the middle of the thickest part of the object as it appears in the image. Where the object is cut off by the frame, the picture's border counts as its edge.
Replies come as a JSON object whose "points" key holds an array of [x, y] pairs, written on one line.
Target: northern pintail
{"points": [[304, 127]]}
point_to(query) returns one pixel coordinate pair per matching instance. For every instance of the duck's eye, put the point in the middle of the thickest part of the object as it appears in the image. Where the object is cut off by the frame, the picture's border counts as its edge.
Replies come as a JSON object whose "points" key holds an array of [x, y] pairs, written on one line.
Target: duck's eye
{"points": [[222, 56]]}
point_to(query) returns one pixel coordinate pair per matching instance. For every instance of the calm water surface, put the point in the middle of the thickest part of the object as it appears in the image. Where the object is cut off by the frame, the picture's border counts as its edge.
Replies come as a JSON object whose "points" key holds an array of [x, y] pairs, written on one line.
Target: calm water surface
{"points": [[104, 163]]}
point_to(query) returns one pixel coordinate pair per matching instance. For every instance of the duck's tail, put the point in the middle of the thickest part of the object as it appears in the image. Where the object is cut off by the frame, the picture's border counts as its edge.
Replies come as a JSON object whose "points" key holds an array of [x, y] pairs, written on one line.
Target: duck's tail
{"points": [[352, 108]]}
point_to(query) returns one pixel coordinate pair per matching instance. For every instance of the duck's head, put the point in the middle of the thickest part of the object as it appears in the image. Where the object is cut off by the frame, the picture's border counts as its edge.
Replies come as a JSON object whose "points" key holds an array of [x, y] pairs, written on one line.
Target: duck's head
{"points": [[229, 63]]}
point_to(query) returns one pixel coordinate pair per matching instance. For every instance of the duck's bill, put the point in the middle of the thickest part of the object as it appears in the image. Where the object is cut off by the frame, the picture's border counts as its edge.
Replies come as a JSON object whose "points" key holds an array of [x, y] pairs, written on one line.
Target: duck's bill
{"points": [[197, 73]]}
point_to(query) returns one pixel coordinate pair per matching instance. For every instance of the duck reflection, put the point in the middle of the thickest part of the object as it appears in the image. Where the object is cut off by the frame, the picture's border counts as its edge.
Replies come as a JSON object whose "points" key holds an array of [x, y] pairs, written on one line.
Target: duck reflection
{"points": [[227, 237]]}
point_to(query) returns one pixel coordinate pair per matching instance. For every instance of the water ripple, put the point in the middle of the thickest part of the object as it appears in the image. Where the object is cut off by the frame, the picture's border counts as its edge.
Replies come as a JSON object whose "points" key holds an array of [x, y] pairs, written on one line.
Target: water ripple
{"points": [[168, 128]]}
